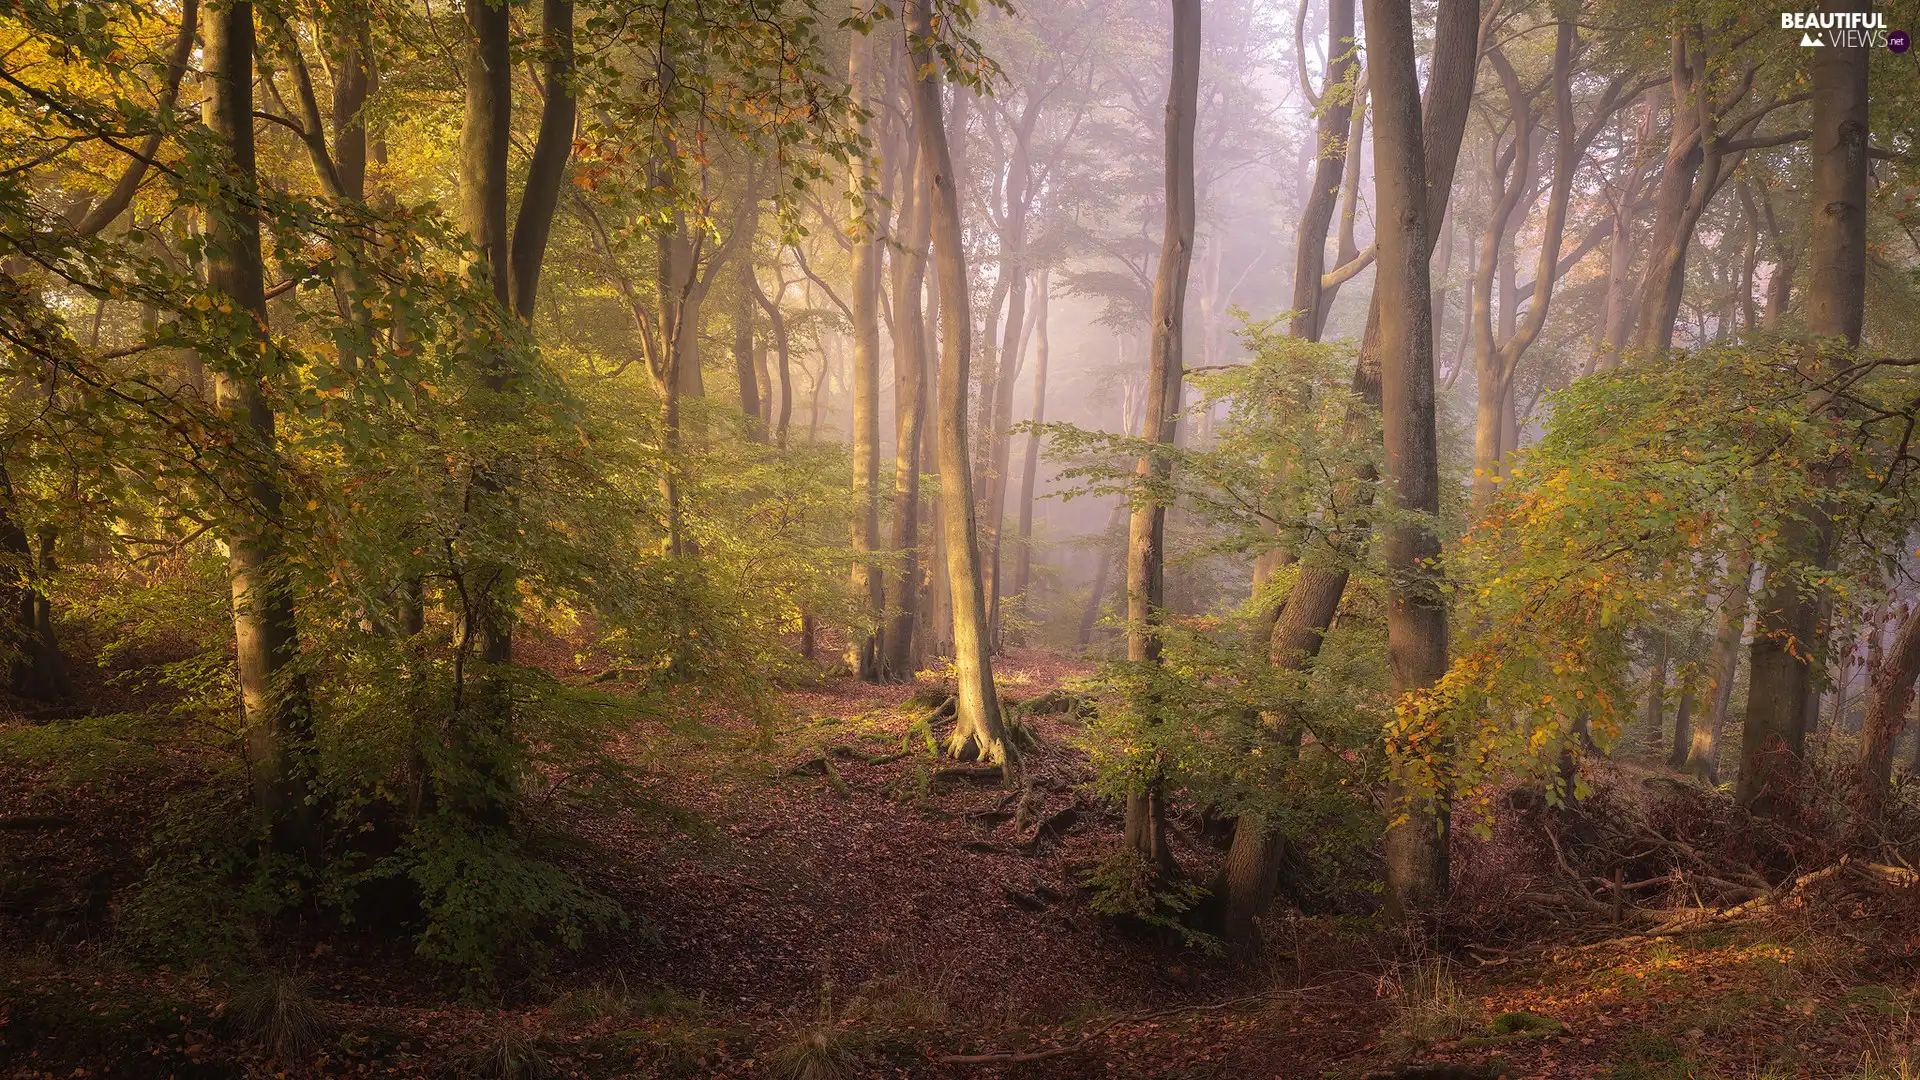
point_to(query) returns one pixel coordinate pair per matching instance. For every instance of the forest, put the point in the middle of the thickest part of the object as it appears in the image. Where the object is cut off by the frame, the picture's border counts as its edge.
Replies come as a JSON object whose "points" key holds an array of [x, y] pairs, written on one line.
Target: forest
{"points": [[939, 539]]}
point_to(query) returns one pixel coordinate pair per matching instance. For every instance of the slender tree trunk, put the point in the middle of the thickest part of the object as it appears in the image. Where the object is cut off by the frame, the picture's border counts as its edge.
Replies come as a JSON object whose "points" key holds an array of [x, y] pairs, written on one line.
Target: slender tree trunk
{"points": [[273, 695], [547, 167], [1889, 698], [1703, 756], [1665, 277], [1416, 846], [864, 650], [1102, 571], [909, 266], [1788, 639], [1682, 723], [978, 731], [1166, 375], [1656, 714], [38, 669], [1315, 596], [1030, 468], [783, 357], [1316, 215], [747, 359]]}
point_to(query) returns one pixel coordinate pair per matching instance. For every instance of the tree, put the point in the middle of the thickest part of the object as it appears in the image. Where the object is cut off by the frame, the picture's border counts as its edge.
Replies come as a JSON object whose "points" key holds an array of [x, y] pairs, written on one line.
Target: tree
{"points": [[273, 694], [1253, 863], [1166, 377], [865, 650], [979, 732], [1416, 614], [1030, 468], [1788, 634], [1335, 103], [908, 267]]}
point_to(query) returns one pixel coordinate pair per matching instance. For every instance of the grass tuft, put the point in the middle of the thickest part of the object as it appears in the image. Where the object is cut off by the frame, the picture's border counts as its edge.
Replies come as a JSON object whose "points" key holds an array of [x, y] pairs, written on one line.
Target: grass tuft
{"points": [[511, 1052], [820, 1053], [279, 1012]]}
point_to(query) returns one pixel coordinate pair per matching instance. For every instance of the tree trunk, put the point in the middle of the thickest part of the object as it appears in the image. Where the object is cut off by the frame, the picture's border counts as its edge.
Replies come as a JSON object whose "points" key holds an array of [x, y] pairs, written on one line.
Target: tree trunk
{"points": [[1315, 596], [783, 354], [1703, 756], [38, 669], [1316, 215], [909, 273], [547, 167], [1103, 569], [1889, 697], [275, 714], [746, 358], [1788, 638], [864, 649], [1030, 468], [1656, 714], [1416, 844], [1166, 376], [1682, 725], [483, 142], [1665, 277], [978, 732], [1491, 451]]}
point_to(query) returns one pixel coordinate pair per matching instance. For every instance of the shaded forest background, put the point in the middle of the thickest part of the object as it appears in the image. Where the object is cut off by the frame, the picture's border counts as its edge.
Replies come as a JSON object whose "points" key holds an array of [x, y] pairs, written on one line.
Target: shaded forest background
{"points": [[724, 539]]}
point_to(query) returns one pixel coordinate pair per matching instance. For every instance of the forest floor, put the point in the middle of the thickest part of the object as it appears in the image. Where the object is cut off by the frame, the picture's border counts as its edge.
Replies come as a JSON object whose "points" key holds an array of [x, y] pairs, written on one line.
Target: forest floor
{"points": [[804, 894]]}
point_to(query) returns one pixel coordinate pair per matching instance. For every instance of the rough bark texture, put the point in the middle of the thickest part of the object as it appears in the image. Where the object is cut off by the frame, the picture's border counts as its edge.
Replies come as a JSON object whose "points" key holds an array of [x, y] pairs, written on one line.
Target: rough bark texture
{"points": [[978, 731], [1789, 634], [1416, 849], [1166, 376], [273, 698], [863, 651], [1315, 597]]}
